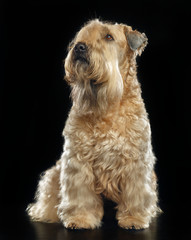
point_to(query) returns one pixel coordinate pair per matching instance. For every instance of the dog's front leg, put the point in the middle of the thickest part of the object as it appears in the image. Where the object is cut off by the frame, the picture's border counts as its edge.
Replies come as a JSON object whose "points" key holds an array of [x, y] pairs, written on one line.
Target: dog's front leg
{"points": [[138, 201], [80, 206]]}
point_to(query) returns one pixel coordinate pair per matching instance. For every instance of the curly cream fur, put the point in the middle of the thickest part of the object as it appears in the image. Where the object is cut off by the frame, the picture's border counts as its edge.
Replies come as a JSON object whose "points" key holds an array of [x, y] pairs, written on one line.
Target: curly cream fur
{"points": [[107, 135]]}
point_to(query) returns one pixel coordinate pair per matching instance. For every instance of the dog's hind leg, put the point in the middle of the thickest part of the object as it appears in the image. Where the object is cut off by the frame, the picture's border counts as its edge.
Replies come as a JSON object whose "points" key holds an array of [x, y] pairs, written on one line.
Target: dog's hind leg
{"points": [[47, 197]]}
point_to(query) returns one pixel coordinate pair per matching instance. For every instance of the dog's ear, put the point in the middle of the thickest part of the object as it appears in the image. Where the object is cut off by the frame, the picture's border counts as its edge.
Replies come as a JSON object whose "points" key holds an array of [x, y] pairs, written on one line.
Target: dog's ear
{"points": [[137, 41]]}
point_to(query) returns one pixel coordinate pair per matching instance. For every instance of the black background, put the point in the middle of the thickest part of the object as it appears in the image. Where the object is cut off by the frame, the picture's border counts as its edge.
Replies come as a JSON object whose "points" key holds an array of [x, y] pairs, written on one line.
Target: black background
{"points": [[35, 98]]}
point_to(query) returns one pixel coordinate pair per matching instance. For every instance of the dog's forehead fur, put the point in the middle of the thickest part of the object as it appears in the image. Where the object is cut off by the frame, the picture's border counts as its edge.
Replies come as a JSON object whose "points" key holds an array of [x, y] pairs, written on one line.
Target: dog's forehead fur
{"points": [[96, 30]]}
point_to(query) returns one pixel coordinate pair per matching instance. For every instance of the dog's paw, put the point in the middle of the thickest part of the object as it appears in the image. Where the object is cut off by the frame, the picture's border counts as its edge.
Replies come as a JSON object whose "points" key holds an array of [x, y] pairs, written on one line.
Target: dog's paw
{"points": [[82, 222], [132, 223], [38, 213]]}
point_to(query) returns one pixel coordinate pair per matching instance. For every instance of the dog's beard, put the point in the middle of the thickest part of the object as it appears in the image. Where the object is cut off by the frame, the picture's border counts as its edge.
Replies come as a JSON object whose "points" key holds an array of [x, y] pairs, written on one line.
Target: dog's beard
{"points": [[97, 85], [86, 96]]}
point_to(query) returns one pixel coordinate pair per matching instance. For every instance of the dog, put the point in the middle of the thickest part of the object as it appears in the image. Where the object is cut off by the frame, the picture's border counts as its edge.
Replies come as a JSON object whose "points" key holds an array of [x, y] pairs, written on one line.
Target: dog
{"points": [[107, 149]]}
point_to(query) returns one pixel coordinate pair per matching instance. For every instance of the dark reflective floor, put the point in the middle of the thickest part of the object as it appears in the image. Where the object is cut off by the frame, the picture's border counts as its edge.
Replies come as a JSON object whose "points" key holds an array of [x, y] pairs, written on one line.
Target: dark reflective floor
{"points": [[165, 227]]}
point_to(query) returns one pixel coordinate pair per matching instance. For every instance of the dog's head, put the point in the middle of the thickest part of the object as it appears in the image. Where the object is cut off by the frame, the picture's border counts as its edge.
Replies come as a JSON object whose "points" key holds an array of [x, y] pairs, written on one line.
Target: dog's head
{"points": [[99, 61]]}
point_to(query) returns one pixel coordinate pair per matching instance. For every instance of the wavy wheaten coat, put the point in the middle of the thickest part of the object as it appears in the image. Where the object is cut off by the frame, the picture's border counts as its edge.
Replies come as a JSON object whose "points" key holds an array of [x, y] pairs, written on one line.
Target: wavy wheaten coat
{"points": [[107, 148]]}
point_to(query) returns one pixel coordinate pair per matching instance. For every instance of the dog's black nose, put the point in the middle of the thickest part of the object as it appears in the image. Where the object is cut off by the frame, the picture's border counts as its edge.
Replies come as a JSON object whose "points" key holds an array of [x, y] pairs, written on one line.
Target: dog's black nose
{"points": [[81, 52], [80, 48]]}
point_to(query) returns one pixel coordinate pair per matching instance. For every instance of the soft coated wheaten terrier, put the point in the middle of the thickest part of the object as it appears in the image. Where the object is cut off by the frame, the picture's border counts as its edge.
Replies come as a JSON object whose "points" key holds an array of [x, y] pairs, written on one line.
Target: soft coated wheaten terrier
{"points": [[107, 148]]}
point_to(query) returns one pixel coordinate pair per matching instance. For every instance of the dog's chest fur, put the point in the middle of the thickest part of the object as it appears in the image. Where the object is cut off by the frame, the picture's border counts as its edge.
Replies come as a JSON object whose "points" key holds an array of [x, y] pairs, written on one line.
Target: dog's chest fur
{"points": [[108, 145]]}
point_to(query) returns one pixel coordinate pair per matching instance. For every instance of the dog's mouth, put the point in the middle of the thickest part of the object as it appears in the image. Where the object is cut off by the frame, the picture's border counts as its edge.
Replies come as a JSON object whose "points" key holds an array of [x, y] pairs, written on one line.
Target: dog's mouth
{"points": [[82, 59]]}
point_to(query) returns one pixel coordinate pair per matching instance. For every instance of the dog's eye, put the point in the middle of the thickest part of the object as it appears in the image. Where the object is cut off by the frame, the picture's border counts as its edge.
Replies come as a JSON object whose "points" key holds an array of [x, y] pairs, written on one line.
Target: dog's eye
{"points": [[108, 37]]}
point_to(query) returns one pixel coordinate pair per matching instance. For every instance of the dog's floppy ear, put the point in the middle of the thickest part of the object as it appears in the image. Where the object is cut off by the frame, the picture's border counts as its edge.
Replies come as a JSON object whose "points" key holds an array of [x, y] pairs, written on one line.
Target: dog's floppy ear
{"points": [[137, 41]]}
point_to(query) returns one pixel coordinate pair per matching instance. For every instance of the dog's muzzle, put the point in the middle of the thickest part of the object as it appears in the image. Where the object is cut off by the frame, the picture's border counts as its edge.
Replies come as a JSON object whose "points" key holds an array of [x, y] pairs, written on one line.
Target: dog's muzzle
{"points": [[80, 52]]}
